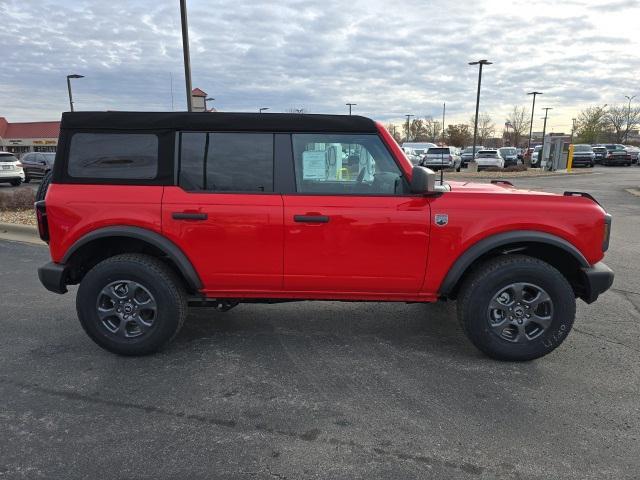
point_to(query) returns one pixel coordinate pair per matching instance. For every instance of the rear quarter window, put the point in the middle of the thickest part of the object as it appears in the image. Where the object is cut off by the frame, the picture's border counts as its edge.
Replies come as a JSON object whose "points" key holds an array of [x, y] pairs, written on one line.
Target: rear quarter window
{"points": [[113, 156]]}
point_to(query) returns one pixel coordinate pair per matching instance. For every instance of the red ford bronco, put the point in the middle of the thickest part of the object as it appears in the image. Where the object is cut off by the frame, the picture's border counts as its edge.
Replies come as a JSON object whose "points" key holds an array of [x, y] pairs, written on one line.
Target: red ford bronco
{"points": [[152, 212]]}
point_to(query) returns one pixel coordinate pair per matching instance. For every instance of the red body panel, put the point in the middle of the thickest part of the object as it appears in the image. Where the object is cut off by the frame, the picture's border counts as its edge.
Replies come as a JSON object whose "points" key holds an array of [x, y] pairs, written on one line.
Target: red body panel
{"points": [[239, 245], [75, 210], [370, 244]]}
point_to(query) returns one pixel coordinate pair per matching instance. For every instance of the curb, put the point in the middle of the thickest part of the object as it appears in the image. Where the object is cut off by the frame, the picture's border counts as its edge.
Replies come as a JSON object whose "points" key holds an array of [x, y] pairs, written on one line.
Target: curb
{"points": [[20, 233], [502, 176]]}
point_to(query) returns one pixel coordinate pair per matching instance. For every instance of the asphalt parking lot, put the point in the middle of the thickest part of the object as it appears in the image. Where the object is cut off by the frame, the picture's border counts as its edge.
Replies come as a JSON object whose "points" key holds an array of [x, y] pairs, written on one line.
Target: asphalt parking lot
{"points": [[325, 390]]}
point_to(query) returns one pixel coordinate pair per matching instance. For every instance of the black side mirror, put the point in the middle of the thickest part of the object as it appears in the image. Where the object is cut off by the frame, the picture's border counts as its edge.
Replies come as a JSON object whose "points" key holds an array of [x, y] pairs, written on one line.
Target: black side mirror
{"points": [[423, 180]]}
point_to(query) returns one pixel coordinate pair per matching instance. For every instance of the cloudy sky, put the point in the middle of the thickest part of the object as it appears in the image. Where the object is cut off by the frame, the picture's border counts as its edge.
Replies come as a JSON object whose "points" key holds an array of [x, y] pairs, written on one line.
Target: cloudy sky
{"points": [[391, 58]]}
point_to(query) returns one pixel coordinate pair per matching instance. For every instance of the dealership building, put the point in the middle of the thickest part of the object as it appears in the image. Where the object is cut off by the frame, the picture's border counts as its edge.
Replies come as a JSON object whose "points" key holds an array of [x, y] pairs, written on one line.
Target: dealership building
{"points": [[23, 137]]}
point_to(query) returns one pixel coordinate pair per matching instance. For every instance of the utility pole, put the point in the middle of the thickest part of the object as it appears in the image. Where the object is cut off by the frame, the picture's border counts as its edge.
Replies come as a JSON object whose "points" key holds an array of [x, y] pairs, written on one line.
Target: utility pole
{"points": [[408, 130], [533, 107], [475, 126], [185, 53], [351, 105], [444, 109], [626, 133], [544, 130]]}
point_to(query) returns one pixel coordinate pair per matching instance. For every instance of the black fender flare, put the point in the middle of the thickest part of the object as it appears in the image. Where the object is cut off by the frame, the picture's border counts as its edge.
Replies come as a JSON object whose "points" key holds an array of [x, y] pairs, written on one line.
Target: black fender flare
{"points": [[492, 242], [175, 254]]}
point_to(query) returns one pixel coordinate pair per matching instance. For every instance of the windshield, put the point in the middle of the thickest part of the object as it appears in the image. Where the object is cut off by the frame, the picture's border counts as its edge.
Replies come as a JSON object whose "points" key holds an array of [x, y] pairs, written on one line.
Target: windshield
{"points": [[508, 151], [487, 153], [49, 156], [8, 158], [438, 151], [582, 148], [470, 150]]}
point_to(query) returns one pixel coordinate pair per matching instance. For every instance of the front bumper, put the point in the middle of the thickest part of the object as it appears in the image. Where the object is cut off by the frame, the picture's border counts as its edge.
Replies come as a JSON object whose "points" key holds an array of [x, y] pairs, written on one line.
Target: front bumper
{"points": [[53, 276], [597, 279]]}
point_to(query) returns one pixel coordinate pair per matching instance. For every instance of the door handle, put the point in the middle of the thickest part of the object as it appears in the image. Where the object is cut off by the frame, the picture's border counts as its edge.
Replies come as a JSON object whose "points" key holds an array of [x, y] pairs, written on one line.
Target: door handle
{"points": [[189, 216], [311, 218]]}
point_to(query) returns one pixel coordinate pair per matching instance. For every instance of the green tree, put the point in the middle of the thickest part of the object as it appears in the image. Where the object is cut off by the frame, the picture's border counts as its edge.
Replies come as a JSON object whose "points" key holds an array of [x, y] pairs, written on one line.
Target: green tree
{"points": [[591, 124], [459, 135]]}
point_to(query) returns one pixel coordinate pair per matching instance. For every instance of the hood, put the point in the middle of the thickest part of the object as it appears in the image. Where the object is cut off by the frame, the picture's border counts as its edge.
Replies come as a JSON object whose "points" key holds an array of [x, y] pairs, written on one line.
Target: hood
{"points": [[499, 188]]}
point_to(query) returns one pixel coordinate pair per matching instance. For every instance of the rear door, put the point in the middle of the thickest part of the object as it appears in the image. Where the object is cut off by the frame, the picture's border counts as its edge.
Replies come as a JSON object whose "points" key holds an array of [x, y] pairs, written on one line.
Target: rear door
{"points": [[224, 213], [351, 227]]}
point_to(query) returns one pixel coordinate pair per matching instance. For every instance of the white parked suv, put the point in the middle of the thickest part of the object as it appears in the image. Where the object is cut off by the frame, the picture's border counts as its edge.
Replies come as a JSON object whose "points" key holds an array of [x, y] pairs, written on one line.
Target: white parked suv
{"points": [[489, 158], [10, 169]]}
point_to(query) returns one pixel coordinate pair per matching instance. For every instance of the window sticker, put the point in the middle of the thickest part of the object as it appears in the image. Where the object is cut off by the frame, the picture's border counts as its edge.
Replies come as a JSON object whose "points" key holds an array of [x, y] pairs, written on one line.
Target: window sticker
{"points": [[314, 165]]}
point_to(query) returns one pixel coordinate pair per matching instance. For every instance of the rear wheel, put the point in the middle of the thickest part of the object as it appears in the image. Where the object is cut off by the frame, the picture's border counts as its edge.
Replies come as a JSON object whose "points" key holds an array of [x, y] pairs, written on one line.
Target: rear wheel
{"points": [[27, 179], [131, 304], [516, 308]]}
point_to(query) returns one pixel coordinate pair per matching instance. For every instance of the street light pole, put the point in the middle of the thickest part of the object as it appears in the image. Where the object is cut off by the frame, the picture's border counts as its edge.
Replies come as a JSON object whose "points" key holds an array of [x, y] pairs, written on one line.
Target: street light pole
{"points": [[544, 130], [262, 109], [475, 126], [573, 128], [408, 117], [533, 107], [69, 77], [626, 134], [185, 53], [207, 99], [351, 105]]}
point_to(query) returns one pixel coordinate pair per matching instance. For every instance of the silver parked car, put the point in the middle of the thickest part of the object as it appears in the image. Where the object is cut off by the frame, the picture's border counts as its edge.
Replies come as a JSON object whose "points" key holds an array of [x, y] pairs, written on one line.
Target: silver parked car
{"points": [[442, 157]]}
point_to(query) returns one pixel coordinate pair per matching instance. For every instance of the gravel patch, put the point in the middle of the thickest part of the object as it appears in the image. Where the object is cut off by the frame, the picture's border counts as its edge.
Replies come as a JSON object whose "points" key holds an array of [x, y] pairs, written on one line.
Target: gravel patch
{"points": [[21, 217]]}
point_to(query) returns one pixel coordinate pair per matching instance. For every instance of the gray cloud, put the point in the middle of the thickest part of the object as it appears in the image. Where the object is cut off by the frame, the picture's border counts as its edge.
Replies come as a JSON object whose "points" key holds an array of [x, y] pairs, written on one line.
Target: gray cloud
{"points": [[391, 59]]}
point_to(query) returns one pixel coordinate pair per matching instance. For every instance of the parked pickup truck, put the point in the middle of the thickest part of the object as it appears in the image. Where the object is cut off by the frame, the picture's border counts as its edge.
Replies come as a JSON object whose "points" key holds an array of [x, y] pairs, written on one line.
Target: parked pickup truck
{"points": [[617, 155], [583, 155], [153, 212]]}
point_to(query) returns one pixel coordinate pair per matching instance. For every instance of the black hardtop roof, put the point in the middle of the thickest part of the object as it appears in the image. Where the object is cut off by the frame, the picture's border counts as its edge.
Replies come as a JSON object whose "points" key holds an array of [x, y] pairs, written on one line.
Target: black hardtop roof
{"points": [[218, 121]]}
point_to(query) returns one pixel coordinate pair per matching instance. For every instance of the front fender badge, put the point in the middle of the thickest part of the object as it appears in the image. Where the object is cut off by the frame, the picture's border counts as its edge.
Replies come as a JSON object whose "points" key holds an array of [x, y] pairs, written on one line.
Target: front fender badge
{"points": [[441, 219]]}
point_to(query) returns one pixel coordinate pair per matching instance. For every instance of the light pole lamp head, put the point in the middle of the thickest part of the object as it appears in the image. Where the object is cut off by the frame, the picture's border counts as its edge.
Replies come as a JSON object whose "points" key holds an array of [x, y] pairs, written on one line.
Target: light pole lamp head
{"points": [[75, 75], [534, 93], [481, 62]]}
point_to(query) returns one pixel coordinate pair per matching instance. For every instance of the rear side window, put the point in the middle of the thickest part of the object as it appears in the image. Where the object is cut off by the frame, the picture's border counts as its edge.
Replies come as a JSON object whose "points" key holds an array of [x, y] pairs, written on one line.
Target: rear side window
{"points": [[113, 156], [226, 162]]}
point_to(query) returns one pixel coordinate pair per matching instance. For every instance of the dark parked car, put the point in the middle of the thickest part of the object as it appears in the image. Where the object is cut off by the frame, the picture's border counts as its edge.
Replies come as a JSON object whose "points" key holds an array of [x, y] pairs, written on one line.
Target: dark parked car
{"points": [[600, 153], [36, 164], [617, 155], [583, 156], [467, 155], [510, 155]]}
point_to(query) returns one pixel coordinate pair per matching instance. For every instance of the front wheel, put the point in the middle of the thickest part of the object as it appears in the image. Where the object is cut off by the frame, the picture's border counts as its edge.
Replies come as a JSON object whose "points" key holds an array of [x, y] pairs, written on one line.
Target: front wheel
{"points": [[17, 182], [131, 304], [516, 308]]}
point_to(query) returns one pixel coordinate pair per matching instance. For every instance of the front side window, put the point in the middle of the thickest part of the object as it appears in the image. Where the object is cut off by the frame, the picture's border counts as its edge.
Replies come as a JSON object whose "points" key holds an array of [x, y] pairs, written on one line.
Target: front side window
{"points": [[342, 164], [226, 162], [113, 155]]}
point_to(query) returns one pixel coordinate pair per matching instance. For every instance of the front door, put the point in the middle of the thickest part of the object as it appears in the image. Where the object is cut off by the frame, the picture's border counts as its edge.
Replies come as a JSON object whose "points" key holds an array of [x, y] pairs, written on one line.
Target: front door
{"points": [[351, 226], [224, 215]]}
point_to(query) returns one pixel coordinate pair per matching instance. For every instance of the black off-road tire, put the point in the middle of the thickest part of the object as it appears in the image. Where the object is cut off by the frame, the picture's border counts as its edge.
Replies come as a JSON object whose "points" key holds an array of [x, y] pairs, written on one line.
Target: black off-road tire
{"points": [[27, 179], [16, 183], [44, 186], [489, 278], [157, 278]]}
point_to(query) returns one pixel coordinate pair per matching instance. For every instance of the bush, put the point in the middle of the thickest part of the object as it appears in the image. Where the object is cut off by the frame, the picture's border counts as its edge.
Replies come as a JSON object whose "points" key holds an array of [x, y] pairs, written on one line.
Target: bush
{"points": [[17, 198]]}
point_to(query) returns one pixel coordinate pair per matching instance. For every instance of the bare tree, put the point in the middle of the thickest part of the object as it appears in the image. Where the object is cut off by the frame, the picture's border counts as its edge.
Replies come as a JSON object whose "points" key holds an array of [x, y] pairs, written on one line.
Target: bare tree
{"points": [[621, 119], [459, 135], [591, 124], [486, 127], [395, 132], [519, 120], [433, 129]]}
